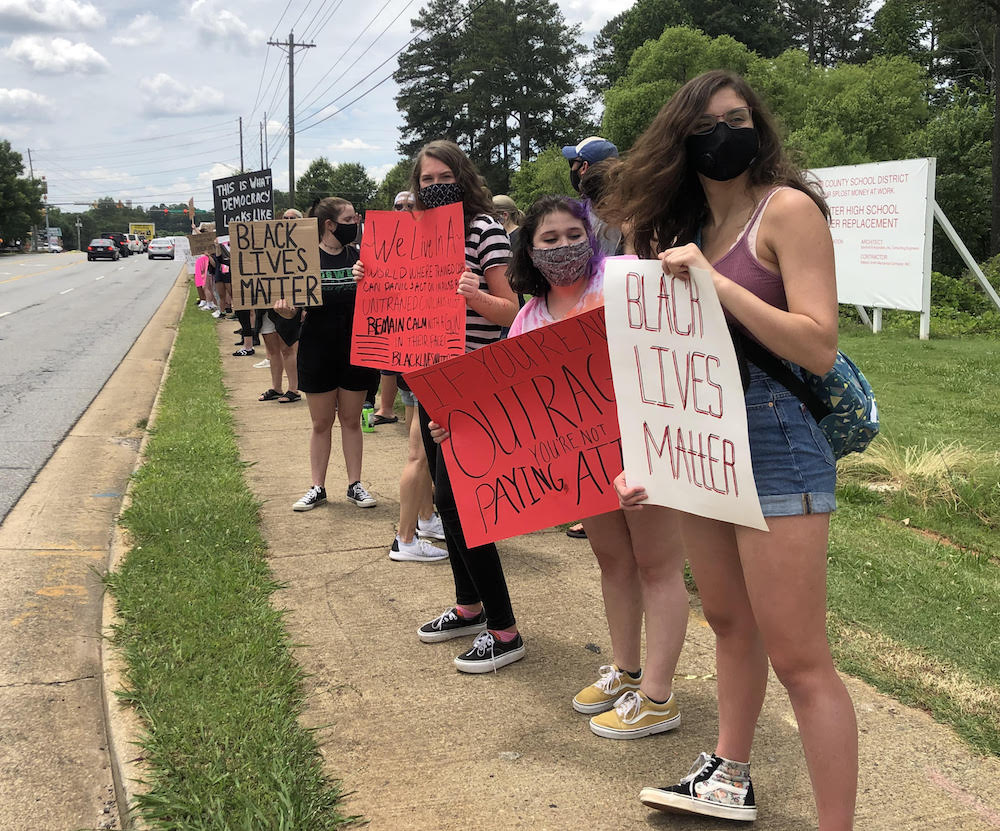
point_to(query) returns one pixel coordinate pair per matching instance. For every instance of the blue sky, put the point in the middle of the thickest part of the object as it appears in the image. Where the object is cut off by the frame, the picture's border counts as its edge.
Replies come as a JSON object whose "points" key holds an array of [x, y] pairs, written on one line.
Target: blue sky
{"points": [[145, 105]]}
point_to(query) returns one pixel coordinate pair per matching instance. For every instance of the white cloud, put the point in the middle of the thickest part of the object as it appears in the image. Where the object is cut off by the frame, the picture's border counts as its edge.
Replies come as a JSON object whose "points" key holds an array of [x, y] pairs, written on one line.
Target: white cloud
{"points": [[23, 104], [163, 95], [378, 173], [352, 144], [21, 16], [140, 32], [219, 25], [593, 14], [57, 56]]}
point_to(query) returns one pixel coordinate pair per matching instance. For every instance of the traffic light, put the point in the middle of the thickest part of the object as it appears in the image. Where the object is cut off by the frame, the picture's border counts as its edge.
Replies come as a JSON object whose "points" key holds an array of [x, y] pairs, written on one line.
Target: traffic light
{"points": [[165, 211]]}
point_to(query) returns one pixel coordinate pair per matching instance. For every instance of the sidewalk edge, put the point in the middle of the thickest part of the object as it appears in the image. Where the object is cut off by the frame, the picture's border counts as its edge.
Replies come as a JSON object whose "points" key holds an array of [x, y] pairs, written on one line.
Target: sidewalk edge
{"points": [[122, 724]]}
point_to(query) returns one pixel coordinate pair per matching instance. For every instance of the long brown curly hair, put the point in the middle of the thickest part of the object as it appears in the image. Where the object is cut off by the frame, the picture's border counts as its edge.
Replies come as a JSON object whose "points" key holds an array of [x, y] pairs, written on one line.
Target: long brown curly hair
{"points": [[656, 190], [476, 198]]}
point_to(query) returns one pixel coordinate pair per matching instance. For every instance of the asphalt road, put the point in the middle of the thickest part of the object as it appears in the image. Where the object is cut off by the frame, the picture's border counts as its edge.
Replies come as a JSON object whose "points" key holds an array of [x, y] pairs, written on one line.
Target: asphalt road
{"points": [[65, 325]]}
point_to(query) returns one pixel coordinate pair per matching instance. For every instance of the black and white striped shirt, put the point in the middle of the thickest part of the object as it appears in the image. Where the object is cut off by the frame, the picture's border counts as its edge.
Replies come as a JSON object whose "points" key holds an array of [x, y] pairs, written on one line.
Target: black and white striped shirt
{"points": [[486, 245]]}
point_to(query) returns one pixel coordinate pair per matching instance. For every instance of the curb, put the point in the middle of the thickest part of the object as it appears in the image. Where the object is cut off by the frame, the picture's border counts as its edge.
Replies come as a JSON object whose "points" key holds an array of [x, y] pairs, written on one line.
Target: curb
{"points": [[124, 729]]}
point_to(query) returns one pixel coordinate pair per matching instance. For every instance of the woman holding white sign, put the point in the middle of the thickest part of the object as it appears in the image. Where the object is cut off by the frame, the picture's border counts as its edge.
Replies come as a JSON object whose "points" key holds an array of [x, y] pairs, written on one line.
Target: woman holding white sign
{"points": [[710, 169], [334, 387], [558, 260], [444, 175]]}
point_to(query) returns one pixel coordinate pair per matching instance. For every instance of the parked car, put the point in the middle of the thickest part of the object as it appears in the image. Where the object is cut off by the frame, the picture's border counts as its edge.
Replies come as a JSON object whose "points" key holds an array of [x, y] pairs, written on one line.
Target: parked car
{"points": [[120, 240], [134, 243], [54, 248], [103, 248], [161, 247]]}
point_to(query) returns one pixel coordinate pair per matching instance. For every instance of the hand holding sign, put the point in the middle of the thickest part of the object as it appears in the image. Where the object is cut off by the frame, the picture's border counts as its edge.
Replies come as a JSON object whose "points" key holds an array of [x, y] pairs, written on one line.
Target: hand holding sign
{"points": [[679, 391], [408, 313]]}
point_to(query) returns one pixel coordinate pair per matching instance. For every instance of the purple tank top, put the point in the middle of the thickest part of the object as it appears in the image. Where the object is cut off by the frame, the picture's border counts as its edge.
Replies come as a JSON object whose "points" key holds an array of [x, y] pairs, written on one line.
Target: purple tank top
{"points": [[741, 265]]}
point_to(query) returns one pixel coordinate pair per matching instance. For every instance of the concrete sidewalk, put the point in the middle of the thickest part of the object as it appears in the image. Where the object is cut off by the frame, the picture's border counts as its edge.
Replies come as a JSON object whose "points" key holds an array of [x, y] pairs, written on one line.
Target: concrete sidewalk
{"points": [[421, 746]]}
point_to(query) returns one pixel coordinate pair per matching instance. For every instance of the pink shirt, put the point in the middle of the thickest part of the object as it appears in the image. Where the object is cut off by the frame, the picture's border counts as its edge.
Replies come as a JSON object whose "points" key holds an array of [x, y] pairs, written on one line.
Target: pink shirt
{"points": [[535, 313], [200, 269]]}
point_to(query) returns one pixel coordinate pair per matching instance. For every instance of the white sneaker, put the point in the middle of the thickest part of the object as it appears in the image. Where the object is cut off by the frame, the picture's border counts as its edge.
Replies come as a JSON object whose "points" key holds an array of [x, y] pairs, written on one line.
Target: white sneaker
{"points": [[418, 551], [216, 313], [265, 364], [432, 527], [201, 304]]}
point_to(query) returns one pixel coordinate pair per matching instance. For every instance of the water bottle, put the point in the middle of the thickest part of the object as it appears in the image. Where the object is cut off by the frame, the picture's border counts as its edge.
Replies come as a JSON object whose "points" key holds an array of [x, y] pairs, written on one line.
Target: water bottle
{"points": [[366, 419]]}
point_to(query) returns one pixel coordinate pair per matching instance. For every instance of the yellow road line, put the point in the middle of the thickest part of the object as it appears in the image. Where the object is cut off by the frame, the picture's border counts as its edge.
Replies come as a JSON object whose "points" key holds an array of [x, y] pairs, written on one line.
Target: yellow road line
{"points": [[35, 273]]}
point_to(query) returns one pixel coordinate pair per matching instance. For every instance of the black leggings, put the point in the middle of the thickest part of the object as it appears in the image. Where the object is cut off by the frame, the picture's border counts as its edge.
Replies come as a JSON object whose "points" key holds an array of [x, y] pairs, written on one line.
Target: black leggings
{"points": [[243, 316], [478, 572]]}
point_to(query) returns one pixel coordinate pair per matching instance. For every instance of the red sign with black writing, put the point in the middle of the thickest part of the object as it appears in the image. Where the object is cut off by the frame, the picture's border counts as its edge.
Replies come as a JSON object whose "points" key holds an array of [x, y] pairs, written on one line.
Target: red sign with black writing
{"points": [[534, 431], [408, 313]]}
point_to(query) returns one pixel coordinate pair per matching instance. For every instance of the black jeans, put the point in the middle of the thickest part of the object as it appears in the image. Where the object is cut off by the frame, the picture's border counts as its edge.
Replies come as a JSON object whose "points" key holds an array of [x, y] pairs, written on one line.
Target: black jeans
{"points": [[478, 572]]}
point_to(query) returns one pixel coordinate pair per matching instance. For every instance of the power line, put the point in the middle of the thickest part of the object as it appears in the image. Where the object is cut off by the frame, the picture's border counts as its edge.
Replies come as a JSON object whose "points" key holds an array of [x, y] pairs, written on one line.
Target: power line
{"points": [[345, 53]]}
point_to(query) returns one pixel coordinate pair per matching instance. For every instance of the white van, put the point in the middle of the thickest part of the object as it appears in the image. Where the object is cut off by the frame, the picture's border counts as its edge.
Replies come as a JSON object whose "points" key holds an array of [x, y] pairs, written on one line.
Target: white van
{"points": [[134, 243]]}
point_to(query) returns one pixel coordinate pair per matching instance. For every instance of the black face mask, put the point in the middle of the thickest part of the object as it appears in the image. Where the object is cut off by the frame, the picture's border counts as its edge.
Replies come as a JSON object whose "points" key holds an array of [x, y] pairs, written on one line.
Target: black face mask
{"points": [[724, 153], [574, 179], [437, 196], [345, 233]]}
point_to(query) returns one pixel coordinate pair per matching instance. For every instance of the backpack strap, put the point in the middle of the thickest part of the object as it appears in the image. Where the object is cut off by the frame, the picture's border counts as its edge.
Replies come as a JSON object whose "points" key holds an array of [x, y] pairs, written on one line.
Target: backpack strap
{"points": [[780, 372]]}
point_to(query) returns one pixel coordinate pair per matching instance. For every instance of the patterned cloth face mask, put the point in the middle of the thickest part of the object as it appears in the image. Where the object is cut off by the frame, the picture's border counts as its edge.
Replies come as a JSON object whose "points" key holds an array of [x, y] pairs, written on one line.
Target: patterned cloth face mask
{"points": [[437, 196], [564, 265]]}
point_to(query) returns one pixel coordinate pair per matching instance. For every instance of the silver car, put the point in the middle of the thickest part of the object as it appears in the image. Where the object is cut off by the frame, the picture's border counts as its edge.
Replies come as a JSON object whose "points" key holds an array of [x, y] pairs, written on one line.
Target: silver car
{"points": [[162, 247]]}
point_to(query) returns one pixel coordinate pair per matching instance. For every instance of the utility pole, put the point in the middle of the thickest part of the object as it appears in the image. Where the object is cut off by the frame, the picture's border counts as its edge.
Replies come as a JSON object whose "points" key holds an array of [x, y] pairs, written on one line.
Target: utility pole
{"points": [[291, 46], [241, 144], [34, 228], [79, 225], [261, 145]]}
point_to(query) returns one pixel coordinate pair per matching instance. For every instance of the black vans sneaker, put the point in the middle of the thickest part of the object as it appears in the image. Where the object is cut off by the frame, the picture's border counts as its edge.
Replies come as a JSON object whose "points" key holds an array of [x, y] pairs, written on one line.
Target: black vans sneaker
{"points": [[451, 624], [489, 653], [313, 497], [714, 787]]}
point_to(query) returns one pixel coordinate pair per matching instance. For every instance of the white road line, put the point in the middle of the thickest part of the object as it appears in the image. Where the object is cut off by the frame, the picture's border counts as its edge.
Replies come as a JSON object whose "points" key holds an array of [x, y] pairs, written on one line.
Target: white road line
{"points": [[4, 314], [99, 278], [66, 292], [121, 268]]}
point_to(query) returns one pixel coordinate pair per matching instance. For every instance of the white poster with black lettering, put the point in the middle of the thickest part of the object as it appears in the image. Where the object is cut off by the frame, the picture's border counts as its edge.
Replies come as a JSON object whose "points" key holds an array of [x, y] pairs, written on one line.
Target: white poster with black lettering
{"points": [[679, 392]]}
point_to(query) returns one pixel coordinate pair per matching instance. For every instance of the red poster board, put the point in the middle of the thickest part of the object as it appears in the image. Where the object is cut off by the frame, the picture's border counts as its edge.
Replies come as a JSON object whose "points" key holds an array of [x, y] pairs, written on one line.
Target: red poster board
{"points": [[534, 428], [408, 314]]}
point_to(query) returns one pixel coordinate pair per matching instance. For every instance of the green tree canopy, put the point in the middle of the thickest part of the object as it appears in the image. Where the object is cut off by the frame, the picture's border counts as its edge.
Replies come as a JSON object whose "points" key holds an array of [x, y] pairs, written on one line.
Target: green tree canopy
{"points": [[348, 180], [397, 179], [20, 198], [547, 173], [501, 79]]}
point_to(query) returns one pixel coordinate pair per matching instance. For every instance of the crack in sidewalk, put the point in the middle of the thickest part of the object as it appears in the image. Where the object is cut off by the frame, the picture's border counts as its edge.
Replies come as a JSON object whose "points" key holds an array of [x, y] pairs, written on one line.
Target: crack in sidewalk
{"points": [[48, 683]]}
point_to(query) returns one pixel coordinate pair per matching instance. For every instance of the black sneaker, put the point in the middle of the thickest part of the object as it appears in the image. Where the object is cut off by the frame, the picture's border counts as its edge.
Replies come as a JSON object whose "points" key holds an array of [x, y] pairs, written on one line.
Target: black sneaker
{"points": [[707, 791], [313, 497], [357, 494], [489, 653], [243, 353], [451, 625]]}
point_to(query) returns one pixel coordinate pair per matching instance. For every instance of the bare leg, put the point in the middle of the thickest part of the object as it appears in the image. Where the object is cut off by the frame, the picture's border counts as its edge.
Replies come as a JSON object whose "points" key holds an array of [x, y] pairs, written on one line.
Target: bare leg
{"points": [[289, 360], [387, 396], [272, 344], [740, 659], [659, 556], [414, 482], [322, 409], [609, 538], [349, 405], [785, 573]]}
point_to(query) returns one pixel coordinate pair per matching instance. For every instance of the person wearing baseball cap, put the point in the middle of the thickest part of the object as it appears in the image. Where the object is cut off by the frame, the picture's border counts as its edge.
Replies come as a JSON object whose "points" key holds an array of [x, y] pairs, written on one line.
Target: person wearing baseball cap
{"points": [[403, 201], [590, 151], [594, 154]]}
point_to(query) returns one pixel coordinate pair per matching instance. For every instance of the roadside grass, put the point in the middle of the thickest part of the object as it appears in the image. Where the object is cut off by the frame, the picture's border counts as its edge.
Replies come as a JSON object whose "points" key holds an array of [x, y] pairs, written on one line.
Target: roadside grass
{"points": [[209, 667], [914, 573]]}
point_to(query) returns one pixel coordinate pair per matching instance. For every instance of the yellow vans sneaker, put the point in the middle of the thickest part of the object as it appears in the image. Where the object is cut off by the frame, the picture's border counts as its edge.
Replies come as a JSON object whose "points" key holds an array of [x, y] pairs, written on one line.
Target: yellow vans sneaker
{"points": [[635, 716], [605, 691]]}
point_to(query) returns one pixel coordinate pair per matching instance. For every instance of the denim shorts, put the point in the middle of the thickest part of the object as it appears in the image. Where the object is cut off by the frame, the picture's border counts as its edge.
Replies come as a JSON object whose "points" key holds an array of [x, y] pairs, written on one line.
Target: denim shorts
{"points": [[793, 464], [407, 397]]}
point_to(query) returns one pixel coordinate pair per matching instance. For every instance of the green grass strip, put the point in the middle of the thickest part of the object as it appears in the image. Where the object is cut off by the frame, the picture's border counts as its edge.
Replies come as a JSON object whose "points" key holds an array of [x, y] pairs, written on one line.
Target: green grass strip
{"points": [[209, 662], [914, 588]]}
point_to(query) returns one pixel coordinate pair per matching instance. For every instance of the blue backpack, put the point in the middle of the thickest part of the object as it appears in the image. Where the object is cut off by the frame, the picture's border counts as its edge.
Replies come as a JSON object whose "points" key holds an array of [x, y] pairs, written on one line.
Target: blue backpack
{"points": [[842, 401]]}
